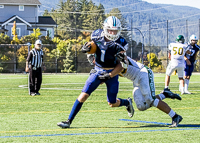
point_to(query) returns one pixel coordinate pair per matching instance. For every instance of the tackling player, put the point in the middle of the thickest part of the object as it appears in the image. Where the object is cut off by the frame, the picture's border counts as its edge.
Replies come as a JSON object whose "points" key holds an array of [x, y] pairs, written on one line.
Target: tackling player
{"points": [[109, 42], [190, 60], [176, 54], [144, 88]]}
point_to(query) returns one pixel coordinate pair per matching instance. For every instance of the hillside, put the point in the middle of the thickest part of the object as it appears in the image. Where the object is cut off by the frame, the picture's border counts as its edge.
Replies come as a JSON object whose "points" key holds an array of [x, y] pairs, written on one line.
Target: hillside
{"points": [[140, 12]]}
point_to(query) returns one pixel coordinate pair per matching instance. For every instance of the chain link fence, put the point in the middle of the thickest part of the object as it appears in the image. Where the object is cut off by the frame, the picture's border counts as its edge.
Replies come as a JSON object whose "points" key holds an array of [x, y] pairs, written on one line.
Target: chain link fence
{"points": [[13, 58]]}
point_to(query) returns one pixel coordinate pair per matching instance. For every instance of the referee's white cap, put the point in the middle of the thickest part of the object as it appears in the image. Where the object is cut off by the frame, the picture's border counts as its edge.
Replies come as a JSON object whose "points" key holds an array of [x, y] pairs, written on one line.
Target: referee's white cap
{"points": [[38, 42]]}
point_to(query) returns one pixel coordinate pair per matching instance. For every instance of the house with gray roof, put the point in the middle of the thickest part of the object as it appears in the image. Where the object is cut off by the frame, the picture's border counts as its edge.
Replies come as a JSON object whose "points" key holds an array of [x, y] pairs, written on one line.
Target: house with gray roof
{"points": [[25, 13]]}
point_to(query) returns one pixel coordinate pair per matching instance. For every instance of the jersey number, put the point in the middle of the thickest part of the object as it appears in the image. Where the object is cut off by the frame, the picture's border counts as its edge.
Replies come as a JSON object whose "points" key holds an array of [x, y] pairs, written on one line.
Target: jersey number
{"points": [[103, 52], [192, 52], [178, 50]]}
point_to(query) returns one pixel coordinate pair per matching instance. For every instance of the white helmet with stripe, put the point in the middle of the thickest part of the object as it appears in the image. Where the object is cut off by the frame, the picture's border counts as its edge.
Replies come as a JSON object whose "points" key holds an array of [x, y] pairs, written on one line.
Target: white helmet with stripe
{"points": [[112, 23], [193, 37]]}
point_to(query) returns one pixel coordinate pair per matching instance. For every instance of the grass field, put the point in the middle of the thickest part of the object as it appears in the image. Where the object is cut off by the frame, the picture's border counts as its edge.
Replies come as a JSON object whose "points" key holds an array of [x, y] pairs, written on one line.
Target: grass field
{"points": [[24, 118]]}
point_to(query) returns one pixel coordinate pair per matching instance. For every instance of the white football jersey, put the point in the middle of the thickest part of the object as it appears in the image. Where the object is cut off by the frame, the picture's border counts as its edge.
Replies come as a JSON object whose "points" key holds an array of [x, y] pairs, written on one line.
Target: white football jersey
{"points": [[177, 53], [133, 69]]}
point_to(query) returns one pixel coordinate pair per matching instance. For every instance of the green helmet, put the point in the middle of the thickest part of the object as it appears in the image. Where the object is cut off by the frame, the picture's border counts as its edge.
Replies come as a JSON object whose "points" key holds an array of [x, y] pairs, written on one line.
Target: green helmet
{"points": [[180, 39]]}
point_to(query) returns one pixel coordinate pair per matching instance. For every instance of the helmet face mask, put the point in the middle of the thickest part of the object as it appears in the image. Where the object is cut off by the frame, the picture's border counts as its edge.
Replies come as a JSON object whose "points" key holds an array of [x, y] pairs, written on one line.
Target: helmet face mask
{"points": [[180, 39], [112, 28]]}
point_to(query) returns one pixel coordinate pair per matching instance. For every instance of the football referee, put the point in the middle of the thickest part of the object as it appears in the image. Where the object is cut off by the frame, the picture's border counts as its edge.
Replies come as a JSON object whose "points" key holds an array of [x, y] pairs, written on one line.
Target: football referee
{"points": [[35, 58]]}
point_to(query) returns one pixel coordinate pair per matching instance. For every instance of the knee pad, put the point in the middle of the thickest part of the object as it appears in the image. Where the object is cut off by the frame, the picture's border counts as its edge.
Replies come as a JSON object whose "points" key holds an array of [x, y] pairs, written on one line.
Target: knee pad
{"points": [[142, 107], [139, 99]]}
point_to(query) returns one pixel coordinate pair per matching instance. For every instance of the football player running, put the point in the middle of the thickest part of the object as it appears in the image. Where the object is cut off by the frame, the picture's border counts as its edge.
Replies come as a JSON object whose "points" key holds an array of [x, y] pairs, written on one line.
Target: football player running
{"points": [[190, 60], [144, 88], [109, 42], [176, 54]]}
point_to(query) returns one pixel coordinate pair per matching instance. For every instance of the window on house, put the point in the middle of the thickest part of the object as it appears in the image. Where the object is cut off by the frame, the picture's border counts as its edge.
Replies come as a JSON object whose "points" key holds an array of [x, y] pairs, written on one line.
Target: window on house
{"points": [[50, 32], [1, 6], [21, 7], [18, 31], [30, 32]]}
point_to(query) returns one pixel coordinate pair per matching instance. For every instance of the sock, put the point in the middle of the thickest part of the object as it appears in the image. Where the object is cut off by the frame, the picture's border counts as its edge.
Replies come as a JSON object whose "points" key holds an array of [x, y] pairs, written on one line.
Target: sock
{"points": [[171, 113], [162, 96], [182, 89], [166, 86], [186, 84], [75, 109], [123, 102], [155, 102]]}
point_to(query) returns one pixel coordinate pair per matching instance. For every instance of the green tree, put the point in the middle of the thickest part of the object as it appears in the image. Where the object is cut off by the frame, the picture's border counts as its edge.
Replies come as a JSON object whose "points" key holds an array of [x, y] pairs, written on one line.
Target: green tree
{"points": [[155, 62], [68, 65], [4, 39], [36, 33]]}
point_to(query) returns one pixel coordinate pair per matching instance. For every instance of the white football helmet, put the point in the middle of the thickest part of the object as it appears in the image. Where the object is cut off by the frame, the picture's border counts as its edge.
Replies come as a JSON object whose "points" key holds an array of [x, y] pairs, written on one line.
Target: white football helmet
{"points": [[193, 37], [112, 23]]}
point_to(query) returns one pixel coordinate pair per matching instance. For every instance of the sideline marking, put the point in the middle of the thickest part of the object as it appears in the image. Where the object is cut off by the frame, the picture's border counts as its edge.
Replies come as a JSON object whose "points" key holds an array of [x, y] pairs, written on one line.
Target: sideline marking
{"points": [[99, 89], [96, 133], [160, 123], [88, 111]]}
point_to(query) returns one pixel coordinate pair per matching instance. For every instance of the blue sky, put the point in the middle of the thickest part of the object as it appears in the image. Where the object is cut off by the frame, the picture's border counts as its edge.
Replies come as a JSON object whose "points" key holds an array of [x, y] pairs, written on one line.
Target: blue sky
{"points": [[192, 3]]}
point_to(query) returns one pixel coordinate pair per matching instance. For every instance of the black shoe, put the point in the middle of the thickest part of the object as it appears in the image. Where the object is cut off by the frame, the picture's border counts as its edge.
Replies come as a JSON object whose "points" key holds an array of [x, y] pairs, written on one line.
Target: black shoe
{"points": [[64, 124], [130, 108], [175, 121], [169, 94], [32, 94], [165, 89], [37, 93]]}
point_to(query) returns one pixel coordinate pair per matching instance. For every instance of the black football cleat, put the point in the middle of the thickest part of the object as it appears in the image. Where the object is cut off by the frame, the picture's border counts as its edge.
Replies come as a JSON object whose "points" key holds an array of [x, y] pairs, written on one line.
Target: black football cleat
{"points": [[169, 94], [175, 121], [64, 124], [130, 108]]}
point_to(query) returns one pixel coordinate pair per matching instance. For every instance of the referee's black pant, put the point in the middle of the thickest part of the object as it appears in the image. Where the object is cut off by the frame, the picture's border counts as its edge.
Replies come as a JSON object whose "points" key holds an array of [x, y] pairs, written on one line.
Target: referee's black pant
{"points": [[35, 80]]}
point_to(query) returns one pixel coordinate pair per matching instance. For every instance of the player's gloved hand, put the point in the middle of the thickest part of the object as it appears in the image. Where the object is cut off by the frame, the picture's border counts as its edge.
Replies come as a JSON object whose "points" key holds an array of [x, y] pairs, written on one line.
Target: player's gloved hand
{"points": [[120, 56], [104, 76], [86, 47], [91, 58]]}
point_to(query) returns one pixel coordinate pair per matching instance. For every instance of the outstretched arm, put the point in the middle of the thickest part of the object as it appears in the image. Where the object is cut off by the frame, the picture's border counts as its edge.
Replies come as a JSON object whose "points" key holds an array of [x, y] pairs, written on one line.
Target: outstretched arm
{"points": [[116, 70]]}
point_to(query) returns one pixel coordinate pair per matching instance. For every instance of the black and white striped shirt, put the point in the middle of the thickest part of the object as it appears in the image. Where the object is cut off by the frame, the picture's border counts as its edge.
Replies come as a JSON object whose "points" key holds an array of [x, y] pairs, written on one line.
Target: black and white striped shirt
{"points": [[35, 57]]}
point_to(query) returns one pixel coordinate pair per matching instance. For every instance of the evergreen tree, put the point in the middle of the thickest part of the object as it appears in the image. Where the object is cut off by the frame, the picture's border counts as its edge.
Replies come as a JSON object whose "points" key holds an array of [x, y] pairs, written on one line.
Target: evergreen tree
{"points": [[69, 61]]}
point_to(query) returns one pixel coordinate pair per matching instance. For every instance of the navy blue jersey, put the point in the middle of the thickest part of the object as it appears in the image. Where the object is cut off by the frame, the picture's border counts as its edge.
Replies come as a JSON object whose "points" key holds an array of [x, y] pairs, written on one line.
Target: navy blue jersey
{"points": [[105, 54], [193, 49]]}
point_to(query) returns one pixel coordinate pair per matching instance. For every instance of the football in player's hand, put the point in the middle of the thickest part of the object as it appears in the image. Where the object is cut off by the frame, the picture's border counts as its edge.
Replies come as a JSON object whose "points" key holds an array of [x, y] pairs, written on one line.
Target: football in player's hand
{"points": [[93, 47]]}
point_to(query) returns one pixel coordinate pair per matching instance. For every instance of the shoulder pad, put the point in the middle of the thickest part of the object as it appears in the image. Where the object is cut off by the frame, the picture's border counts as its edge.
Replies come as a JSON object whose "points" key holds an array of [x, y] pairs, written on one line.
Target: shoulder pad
{"points": [[197, 46], [123, 43], [97, 34]]}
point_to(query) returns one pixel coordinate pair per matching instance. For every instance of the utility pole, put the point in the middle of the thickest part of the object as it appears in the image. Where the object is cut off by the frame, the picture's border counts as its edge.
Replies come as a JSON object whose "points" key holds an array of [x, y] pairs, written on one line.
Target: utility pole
{"points": [[149, 44], [167, 42], [131, 39], [186, 31], [199, 28], [56, 46], [142, 43], [75, 47]]}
